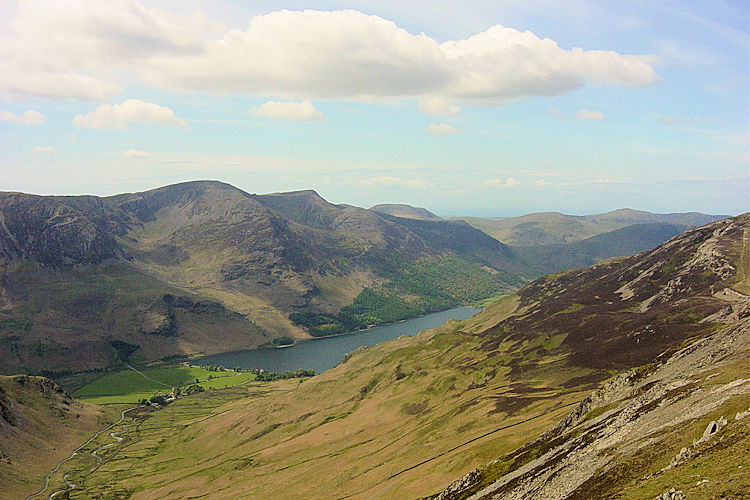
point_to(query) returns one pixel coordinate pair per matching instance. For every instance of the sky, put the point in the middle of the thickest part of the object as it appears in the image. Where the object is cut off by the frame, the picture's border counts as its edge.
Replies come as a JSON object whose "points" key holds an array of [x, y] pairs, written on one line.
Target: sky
{"points": [[486, 108]]}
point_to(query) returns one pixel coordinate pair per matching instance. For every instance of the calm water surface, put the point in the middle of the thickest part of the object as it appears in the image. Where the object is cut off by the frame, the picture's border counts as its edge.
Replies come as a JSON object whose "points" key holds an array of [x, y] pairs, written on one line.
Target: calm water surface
{"points": [[325, 353]]}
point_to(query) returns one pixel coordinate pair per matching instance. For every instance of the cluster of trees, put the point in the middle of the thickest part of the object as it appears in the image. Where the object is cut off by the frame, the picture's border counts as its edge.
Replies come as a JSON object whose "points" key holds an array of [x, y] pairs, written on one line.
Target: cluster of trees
{"points": [[283, 341], [15, 324], [449, 280], [193, 389], [221, 368], [157, 399], [437, 283], [320, 325], [370, 307], [265, 376], [261, 374]]}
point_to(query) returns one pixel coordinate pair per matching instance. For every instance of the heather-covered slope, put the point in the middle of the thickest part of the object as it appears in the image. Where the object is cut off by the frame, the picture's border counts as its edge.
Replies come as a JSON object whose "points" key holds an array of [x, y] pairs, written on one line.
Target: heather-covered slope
{"points": [[404, 418]]}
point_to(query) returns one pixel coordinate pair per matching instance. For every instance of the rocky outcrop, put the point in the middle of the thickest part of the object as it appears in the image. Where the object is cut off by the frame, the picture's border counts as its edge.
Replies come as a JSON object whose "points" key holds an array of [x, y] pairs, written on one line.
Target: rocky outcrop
{"points": [[637, 410], [56, 230]]}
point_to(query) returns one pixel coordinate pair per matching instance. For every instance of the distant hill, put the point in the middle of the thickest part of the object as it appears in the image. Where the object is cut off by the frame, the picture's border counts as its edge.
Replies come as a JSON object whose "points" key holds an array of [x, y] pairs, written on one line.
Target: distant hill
{"points": [[405, 211], [40, 425], [553, 228], [544, 259]]}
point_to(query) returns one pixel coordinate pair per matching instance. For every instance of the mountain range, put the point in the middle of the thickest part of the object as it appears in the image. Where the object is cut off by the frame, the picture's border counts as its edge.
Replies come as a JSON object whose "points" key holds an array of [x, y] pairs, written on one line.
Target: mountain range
{"points": [[554, 228], [202, 267]]}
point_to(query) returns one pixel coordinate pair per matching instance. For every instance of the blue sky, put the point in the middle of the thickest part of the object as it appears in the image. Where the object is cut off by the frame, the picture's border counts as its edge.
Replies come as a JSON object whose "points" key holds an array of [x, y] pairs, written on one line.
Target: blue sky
{"points": [[493, 108]]}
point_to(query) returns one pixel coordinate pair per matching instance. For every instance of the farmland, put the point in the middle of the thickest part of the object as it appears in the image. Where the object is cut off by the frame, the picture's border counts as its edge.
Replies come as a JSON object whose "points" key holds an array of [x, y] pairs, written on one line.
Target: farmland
{"points": [[131, 385]]}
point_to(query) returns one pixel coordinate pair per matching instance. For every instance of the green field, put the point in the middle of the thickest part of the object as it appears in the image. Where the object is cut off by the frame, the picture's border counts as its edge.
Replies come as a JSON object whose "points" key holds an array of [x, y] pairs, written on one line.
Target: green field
{"points": [[129, 386]]}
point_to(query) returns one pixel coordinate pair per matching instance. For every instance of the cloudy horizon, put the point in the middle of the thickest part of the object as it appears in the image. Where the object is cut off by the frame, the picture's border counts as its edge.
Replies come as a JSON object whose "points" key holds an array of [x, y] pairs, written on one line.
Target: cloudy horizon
{"points": [[497, 109]]}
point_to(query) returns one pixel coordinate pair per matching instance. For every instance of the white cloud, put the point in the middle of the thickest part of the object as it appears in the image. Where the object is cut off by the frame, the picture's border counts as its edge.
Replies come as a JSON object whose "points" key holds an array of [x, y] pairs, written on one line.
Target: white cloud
{"points": [[79, 49], [290, 110], [85, 50], [443, 129], [136, 153], [26, 118], [590, 115], [437, 105], [509, 182], [120, 116], [43, 149], [541, 182]]}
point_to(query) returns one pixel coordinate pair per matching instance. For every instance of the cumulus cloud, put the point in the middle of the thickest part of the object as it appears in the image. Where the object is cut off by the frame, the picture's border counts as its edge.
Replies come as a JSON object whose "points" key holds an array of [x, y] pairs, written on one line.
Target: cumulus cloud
{"points": [[26, 118], [443, 129], [136, 153], [81, 49], [289, 110], [77, 49], [509, 182], [120, 116], [43, 149], [590, 115]]}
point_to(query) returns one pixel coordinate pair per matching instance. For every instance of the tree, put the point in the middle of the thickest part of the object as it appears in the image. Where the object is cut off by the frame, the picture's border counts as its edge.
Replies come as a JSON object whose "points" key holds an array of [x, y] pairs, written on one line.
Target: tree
{"points": [[158, 399]]}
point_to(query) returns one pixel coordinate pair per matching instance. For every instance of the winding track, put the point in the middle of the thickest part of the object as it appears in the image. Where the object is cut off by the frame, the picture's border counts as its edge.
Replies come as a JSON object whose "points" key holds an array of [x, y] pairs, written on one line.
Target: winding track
{"points": [[114, 435], [72, 486]]}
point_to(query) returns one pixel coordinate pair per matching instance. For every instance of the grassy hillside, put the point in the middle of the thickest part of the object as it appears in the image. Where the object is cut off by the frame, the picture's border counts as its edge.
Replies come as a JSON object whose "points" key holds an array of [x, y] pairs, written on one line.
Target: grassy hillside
{"points": [[39, 425], [553, 228], [406, 417], [58, 321]]}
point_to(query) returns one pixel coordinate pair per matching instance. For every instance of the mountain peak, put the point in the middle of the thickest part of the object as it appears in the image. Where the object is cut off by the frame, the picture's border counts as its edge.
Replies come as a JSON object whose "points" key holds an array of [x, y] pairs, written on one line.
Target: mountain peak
{"points": [[404, 211]]}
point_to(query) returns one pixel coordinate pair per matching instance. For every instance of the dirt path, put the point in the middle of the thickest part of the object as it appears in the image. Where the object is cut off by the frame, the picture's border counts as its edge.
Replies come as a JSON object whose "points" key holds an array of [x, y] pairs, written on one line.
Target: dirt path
{"points": [[70, 485]]}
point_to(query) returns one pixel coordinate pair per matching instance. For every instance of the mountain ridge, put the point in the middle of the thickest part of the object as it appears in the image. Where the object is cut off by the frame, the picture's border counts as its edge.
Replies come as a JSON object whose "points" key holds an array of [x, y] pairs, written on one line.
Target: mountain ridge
{"points": [[547, 228], [405, 211]]}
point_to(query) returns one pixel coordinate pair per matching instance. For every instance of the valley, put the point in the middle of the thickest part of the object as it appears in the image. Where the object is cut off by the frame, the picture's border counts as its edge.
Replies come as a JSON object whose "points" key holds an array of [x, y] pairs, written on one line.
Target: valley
{"points": [[374, 250], [601, 362], [121, 299]]}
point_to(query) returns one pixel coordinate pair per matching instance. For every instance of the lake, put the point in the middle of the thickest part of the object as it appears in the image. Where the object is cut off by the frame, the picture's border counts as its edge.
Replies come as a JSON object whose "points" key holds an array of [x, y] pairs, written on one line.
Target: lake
{"points": [[324, 353]]}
